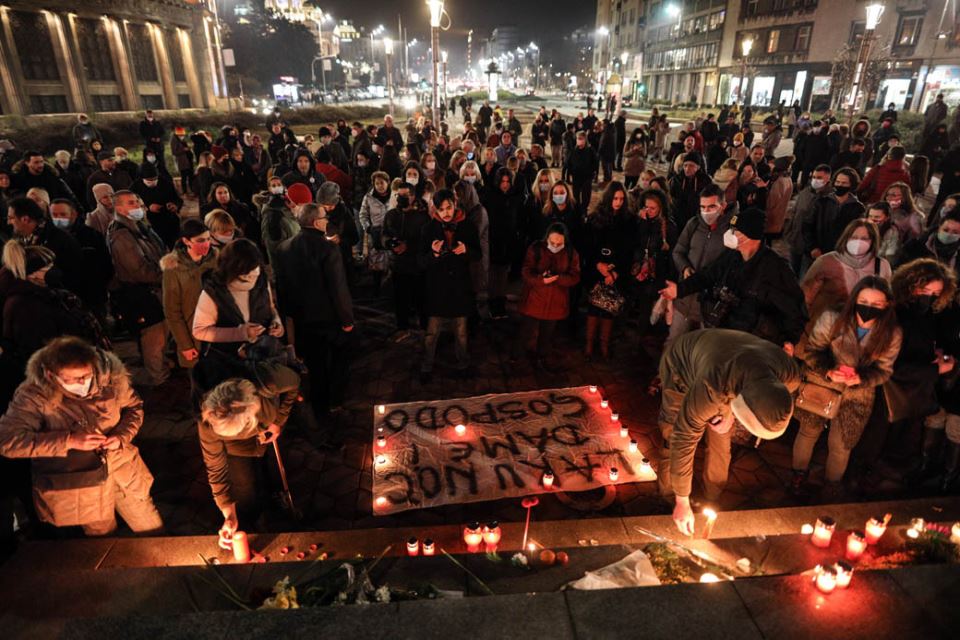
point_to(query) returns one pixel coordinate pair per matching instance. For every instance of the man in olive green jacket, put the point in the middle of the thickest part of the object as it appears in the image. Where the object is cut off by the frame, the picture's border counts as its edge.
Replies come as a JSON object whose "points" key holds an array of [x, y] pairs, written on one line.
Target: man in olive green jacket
{"points": [[709, 378]]}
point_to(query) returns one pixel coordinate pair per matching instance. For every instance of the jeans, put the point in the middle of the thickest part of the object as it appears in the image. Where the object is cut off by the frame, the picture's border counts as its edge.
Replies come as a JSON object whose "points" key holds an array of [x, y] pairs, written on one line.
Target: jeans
{"points": [[607, 170], [838, 455], [437, 324], [407, 297], [556, 155], [153, 339]]}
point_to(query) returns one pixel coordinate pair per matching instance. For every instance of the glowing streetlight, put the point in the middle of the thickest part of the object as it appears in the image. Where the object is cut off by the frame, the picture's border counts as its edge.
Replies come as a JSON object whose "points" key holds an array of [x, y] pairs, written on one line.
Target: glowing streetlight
{"points": [[388, 52], [874, 13], [436, 13], [746, 46]]}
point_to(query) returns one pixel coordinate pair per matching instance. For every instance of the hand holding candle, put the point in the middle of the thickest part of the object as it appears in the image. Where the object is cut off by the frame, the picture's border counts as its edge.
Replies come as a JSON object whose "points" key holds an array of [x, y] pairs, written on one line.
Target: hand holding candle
{"points": [[241, 547], [711, 516]]}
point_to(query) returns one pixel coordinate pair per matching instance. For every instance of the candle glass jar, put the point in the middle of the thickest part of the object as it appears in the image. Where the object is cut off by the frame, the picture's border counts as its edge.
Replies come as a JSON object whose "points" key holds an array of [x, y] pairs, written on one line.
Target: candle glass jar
{"points": [[856, 545], [491, 536], [547, 479], [624, 432], [428, 547], [823, 532], [955, 533], [826, 579], [413, 547], [604, 403], [614, 474], [473, 536], [844, 574], [874, 530], [632, 447]]}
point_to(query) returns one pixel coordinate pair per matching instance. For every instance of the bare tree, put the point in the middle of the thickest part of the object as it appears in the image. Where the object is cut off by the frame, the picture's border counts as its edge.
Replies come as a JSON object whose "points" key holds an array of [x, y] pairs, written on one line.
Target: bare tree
{"points": [[844, 69]]}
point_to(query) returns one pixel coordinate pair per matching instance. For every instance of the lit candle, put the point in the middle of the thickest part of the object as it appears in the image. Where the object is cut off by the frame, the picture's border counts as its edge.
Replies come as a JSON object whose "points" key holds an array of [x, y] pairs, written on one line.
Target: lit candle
{"points": [[528, 503], [856, 545], [413, 547], [547, 479], [624, 432], [709, 577], [913, 533], [428, 547], [381, 441], [645, 466], [241, 547], [614, 474], [844, 574], [955, 533], [491, 536], [827, 579], [806, 529], [381, 459], [460, 429], [593, 388], [875, 528], [604, 403], [711, 519], [823, 532], [632, 446], [917, 526], [614, 417], [381, 501], [472, 536], [381, 409]]}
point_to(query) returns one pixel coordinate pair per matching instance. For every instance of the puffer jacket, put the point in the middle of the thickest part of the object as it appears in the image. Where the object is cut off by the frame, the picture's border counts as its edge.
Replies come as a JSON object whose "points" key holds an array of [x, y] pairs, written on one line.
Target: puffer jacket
{"points": [[38, 423], [548, 301], [698, 245], [182, 284]]}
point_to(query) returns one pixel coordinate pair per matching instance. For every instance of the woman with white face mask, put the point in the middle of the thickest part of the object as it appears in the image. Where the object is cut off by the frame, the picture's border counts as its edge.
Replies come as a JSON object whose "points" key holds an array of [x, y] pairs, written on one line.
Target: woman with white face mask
{"points": [[76, 416], [235, 309], [832, 276]]}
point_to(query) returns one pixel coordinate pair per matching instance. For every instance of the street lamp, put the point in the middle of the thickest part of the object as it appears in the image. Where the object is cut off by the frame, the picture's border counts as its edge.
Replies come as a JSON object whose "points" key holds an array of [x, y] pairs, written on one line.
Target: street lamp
{"points": [[443, 59], [536, 77], [745, 47], [388, 52], [604, 32], [436, 13], [874, 12]]}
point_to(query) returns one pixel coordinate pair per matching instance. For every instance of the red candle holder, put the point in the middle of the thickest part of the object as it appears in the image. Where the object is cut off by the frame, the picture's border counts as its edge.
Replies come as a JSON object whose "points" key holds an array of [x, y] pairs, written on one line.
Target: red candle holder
{"points": [[473, 536], [413, 547]]}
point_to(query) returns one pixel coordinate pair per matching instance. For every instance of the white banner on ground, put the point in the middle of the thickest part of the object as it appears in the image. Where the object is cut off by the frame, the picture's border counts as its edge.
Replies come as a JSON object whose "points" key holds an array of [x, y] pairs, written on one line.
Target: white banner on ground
{"points": [[507, 443]]}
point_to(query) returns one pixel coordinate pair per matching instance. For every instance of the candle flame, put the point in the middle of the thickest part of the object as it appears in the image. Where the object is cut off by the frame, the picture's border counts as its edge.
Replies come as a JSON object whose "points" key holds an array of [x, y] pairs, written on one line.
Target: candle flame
{"points": [[709, 577], [710, 513]]}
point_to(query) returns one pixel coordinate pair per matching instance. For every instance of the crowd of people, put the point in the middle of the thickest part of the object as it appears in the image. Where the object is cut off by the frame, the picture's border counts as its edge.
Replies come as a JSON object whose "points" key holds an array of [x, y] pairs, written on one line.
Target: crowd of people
{"points": [[823, 268]]}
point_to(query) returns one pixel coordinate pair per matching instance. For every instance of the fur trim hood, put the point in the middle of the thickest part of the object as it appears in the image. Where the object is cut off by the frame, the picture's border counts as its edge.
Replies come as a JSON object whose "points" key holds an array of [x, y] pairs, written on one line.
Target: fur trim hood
{"points": [[110, 371]]}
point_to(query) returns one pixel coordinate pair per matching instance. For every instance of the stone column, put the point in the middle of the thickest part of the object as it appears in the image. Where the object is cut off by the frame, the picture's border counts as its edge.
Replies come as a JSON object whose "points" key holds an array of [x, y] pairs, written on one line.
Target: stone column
{"points": [[129, 95], [73, 46], [189, 67], [66, 63], [14, 100], [163, 67]]}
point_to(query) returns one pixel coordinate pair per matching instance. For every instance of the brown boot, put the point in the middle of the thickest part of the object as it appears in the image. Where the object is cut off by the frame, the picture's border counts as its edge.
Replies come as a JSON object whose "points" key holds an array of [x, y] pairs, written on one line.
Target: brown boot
{"points": [[592, 324], [606, 330]]}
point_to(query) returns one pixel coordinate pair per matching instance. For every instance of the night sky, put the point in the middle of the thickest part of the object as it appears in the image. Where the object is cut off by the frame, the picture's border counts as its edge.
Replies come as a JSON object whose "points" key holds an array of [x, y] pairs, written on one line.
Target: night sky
{"points": [[538, 21]]}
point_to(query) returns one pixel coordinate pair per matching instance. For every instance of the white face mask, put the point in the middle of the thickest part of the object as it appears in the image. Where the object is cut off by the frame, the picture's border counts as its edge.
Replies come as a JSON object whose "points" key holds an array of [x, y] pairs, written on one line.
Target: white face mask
{"points": [[277, 191], [223, 239], [136, 214], [151, 183], [469, 179], [80, 389], [554, 248], [817, 183], [730, 240], [151, 159], [413, 180], [431, 166], [709, 216], [858, 246], [895, 204]]}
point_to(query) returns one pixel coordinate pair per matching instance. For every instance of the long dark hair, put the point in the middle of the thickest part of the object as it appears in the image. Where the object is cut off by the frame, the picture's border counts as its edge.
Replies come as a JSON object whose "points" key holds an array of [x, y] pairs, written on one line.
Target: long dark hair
{"points": [[883, 329], [604, 213]]}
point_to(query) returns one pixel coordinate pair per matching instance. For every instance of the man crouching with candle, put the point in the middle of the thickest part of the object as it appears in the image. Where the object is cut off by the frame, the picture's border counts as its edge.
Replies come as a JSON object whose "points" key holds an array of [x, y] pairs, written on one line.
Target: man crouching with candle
{"points": [[75, 416], [238, 421], [709, 378]]}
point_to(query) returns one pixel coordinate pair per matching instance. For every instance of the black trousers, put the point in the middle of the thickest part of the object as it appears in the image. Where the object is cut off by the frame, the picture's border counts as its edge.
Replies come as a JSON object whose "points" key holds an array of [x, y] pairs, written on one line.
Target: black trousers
{"points": [[408, 298], [325, 350]]}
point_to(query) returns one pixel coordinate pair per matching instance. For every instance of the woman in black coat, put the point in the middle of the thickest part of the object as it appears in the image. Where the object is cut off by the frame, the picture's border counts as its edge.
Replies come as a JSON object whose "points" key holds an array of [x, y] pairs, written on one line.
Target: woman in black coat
{"points": [[607, 149], [922, 289], [503, 202], [607, 254]]}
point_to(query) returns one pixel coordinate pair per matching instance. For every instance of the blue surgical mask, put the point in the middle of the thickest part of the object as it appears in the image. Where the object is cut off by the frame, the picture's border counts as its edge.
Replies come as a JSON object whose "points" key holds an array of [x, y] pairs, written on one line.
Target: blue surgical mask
{"points": [[559, 198], [61, 223], [136, 214]]}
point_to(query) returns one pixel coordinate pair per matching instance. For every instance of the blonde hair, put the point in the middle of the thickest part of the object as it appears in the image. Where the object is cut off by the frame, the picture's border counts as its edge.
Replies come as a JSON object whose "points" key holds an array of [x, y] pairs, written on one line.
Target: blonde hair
{"points": [[16, 258], [62, 153], [219, 221], [471, 165], [536, 189], [42, 194]]}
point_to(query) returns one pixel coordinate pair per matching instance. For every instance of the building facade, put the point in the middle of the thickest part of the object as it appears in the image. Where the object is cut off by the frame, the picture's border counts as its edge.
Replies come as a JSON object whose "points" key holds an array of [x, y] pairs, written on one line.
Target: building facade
{"points": [[109, 55], [692, 51]]}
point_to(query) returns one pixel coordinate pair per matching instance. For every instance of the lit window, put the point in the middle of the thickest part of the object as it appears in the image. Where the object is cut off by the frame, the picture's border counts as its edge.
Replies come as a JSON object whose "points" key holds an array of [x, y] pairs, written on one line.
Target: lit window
{"points": [[773, 42], [909, 31]]}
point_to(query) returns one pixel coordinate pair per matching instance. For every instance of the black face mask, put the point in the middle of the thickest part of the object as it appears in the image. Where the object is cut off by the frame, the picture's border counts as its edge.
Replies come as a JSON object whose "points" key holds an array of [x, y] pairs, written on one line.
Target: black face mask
{"points": [[842, 191], [868, 313], [53, 278], [925, 302], [403, 202]]}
